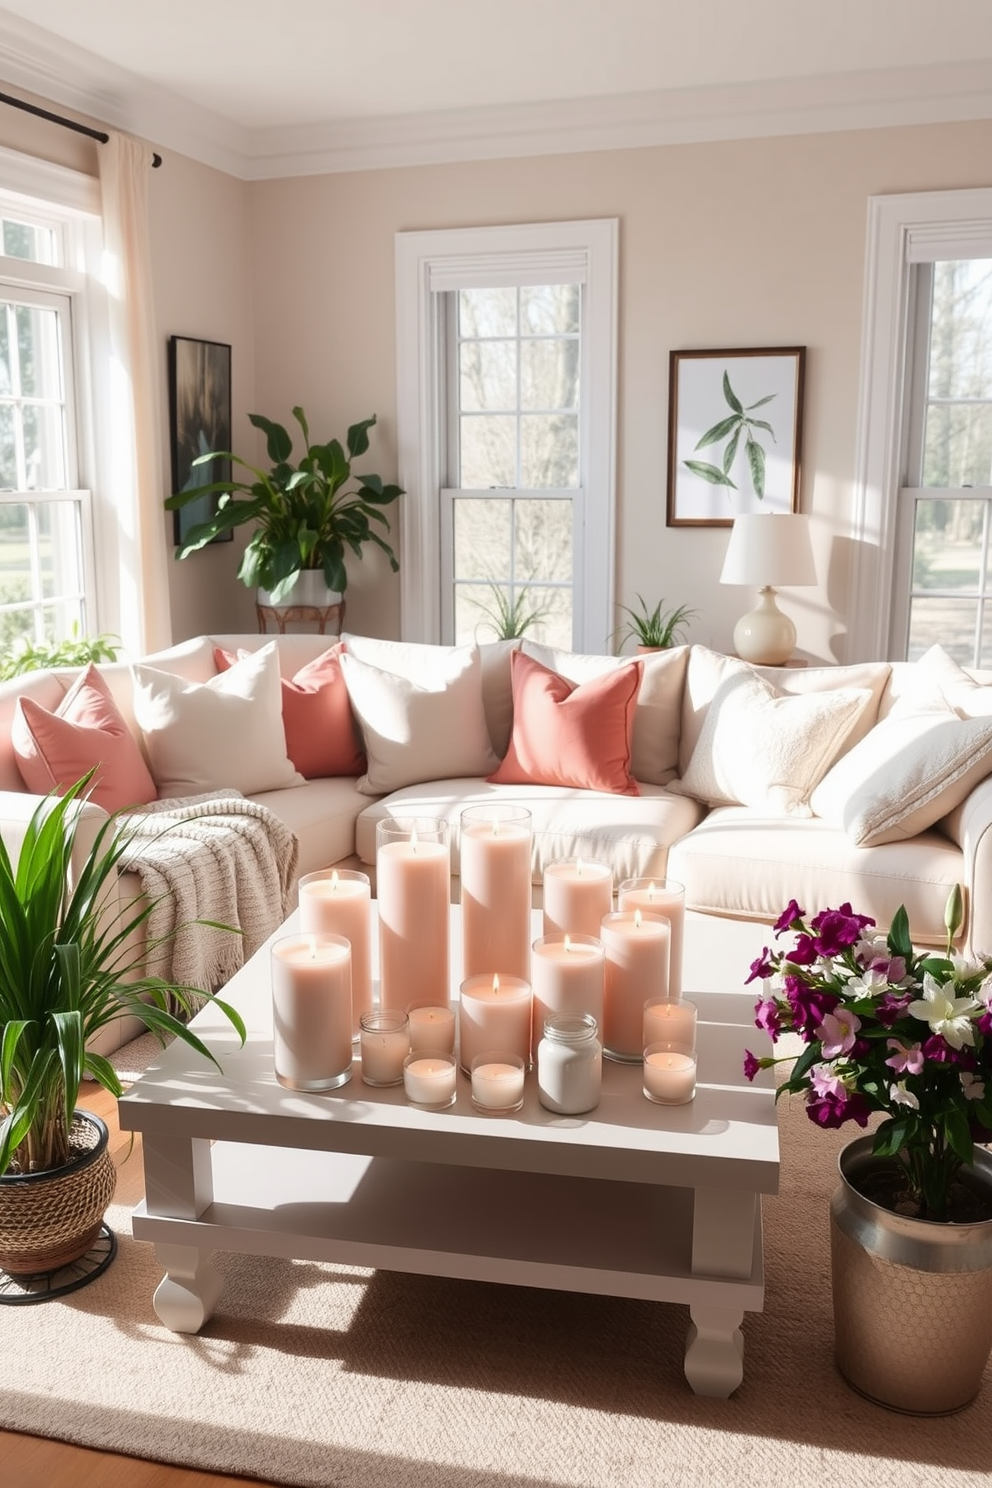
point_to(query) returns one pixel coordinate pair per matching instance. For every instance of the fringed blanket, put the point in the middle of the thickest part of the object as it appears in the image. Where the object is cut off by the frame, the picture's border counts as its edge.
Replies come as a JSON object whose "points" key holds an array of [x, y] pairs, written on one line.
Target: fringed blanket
{"points": [[213, 857]]}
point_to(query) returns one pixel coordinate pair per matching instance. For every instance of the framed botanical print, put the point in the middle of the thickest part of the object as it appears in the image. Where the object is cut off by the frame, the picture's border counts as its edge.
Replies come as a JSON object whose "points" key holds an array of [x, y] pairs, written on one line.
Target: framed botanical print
{"points": [[200, 421]]}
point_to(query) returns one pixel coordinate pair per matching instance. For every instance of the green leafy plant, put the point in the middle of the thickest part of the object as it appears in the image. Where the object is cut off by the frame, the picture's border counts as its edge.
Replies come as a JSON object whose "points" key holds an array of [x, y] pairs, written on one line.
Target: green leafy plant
{"points": [[658, 628], [509, 615], [25, 655], [67, 968], [735, 426], [304, 517]]}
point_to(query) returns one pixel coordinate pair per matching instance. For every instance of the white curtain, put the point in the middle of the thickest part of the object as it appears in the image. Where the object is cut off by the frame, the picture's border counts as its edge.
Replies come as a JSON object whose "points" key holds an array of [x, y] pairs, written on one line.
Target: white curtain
{"points": [[136, 448]]}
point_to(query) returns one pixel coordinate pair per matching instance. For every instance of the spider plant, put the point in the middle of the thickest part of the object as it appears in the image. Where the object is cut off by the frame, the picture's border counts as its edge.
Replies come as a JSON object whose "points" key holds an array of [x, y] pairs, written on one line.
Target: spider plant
{"points": [[68, 968], [657, 629], [509, 615]]}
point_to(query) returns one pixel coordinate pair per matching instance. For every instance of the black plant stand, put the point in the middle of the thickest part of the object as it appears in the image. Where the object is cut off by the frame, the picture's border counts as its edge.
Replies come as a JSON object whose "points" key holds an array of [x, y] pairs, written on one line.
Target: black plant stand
{"points": [[45, 1286]]}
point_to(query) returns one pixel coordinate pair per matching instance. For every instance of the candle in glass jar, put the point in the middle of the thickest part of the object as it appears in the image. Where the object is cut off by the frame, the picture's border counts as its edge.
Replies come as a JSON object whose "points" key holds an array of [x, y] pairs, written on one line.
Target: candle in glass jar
{"points": [[496, 890], [384, 1041], [311, 1011], [670, 1020], [497, 1082], [429, 1080], [432, 1030], [494, 1014], [413, 886], [660, 897], [339, 903], [669, 1075], [577, 894], [567, 974], [636, 947]]}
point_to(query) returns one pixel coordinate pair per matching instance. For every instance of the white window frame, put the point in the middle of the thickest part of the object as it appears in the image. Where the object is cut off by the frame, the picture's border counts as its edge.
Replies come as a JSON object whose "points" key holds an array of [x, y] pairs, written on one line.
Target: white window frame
{"points": [[902, 230], [457, 258]]}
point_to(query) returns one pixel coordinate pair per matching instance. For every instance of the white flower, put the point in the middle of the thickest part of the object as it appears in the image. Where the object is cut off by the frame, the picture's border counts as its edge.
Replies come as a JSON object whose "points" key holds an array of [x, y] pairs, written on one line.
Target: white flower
{"points": [[872, 948], [966, 966], [973, 1087], [946, 1014], [900, 1096], [870, 983], [984, 993]]}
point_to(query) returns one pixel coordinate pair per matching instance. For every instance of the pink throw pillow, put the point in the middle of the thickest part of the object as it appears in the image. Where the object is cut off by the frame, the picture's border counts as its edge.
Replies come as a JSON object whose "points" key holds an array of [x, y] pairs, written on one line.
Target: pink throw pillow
{"points": [[317, 717], [86, 731], [565, 734]]}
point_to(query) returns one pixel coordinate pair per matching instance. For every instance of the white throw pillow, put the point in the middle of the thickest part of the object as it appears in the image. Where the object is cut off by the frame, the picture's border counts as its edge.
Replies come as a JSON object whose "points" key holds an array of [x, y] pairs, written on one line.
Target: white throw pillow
{"points": [[431, 728], [765, 749], [914, 767], [959, 689], [225, 734]]}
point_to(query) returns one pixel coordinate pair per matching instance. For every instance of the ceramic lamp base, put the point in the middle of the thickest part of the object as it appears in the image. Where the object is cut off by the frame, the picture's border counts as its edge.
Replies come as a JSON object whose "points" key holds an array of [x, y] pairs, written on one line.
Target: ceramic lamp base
{"points": [[765, 636]]}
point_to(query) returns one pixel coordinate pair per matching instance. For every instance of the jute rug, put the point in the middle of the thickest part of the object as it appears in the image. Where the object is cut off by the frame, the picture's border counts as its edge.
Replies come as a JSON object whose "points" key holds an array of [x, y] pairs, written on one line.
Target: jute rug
{"points": [[315, 1375]]}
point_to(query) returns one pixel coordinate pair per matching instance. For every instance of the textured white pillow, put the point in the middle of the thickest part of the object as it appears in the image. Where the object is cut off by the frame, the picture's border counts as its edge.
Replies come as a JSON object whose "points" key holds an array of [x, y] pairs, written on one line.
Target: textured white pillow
{"points": [[433, 728], [765, 749], [914, 767], [225, 734]]}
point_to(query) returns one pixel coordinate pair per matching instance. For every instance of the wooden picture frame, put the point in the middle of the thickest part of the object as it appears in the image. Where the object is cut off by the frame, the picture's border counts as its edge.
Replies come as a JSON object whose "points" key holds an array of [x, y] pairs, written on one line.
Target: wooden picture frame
{"points": [[199, 421], [735, 421]]}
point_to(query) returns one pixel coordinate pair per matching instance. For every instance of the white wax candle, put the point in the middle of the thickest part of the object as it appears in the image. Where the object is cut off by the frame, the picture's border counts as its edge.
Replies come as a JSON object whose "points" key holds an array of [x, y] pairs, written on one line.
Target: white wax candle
{"points": [[494, 1014], [498, 1084], [577, 894], [495, 895], [311, 1011], [432, 1030], [384, 1043], [567, 973], [429, 1079], [339, 902], [670, 1021], [636, 948], [669, 1076], [660, 897], [413, 885]]}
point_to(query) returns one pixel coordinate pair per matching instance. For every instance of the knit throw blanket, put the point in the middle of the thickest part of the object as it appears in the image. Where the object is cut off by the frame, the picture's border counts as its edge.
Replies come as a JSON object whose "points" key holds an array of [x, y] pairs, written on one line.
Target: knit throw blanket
{"points": [[213, 857]]}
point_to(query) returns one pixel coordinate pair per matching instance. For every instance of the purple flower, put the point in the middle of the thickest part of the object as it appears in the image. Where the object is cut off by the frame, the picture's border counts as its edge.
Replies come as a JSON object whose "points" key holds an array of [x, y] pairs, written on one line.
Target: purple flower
{"points": [[836, 929], [939, 1051], [751, 1064], [984, 1024], [788, 917], [767, 1017], [834, 1110], [760, 967], [804, 951], [891, 1007], [809, 1006]]}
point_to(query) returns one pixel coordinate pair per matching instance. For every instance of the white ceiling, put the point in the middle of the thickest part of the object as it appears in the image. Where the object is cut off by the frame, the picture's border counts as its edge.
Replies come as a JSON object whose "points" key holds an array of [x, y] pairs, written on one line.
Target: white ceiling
{"points": [[269, 87]]}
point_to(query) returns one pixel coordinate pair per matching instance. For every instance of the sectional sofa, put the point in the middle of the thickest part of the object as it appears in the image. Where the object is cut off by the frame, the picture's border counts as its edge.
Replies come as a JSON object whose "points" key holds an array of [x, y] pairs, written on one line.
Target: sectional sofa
{"points": [[869, 783]]}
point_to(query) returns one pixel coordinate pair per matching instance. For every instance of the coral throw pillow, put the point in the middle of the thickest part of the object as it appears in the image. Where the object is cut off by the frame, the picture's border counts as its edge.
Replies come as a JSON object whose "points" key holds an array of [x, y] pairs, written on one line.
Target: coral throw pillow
{"points": [[87, 731], [568, 734], [317, 717]]}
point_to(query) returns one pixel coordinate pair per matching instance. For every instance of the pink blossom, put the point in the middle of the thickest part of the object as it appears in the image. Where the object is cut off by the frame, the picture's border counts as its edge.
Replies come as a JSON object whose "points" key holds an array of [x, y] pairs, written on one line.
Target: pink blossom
{"points": [[837, 1032], [826, 1081], [905, 1059]]}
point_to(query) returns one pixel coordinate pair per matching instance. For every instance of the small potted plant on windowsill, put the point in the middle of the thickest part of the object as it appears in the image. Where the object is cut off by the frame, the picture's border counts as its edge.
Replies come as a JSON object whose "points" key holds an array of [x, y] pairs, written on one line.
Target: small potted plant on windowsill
{"points": [[654, 630]]}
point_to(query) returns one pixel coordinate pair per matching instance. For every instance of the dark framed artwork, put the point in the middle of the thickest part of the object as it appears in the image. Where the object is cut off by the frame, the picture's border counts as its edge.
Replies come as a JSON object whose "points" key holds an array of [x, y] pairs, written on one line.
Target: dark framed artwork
{"points": [[200, 421], [735, 423]]}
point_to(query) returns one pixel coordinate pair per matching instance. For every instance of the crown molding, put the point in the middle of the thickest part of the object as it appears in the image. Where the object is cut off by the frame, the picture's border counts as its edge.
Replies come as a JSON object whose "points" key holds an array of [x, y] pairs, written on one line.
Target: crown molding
{"points": [[43, 64]]}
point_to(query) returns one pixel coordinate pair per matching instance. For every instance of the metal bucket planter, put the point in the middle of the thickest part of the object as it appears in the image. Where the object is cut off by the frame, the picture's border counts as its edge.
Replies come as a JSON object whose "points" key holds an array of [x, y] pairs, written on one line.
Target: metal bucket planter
{"points": [[912, 1298], [50, 1219]]}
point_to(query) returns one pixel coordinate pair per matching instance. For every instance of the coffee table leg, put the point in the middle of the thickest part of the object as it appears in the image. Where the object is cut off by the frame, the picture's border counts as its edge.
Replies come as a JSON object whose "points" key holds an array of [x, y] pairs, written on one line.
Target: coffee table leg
{"points": [[179, 1185], [714, 1351], [723, 1230], [190, 1290]]}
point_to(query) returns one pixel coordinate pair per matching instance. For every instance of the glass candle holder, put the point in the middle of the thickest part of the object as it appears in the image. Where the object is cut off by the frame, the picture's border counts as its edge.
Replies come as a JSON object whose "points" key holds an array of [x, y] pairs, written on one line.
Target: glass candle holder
{"points": [[430, 1080], [413, 888], [338, 901], [669, 1074], [494, 1012], [432, 1030], [311, 1011], [384, 1040], [577, 893], [569, 1064], [637, 947], [670, 1020], [660, 896], [495, 858], [497, 1083]]}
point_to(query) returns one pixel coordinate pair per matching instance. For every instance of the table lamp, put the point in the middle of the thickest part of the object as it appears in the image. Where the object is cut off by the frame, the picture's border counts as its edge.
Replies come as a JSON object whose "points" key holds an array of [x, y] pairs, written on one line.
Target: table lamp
{"points": [[767, 549]]}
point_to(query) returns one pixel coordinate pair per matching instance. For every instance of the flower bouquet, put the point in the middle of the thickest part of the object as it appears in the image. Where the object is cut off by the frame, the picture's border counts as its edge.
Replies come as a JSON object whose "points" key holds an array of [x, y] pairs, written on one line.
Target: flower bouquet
{"points": [[888, 1030]]}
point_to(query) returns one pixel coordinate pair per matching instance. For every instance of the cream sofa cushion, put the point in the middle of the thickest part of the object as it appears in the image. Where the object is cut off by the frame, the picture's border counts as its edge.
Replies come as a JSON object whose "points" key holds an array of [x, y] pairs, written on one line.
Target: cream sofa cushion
{"points": [[322, 814], [968, 697], [762, 748]]}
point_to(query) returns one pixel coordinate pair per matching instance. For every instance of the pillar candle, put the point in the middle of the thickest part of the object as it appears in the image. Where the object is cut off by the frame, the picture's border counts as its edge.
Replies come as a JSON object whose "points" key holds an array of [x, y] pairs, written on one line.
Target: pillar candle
{"points": [[669, 1075], [311, 1011], [496, 890], [636, 947], [670, 1020], [567, 973], [432, 1030], [413, 887], [660, 897], [577, 894], [430, 1079], [494, 1014], [497, 1083], [339, 902]]}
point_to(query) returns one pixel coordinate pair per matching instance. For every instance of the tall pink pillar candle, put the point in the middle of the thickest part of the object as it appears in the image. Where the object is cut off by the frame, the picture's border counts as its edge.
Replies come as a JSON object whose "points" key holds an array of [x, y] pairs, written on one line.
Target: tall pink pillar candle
{"points": [[339, 902], [311, 1011], [413, 887], [567, 976], [660, 896], [496, 890], [637, 947], [577, 894], [494, 1015]]}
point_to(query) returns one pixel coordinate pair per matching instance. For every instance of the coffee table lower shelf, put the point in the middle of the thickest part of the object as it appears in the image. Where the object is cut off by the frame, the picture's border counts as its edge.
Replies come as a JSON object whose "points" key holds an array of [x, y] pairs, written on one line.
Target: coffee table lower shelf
{"points": [[523, 1229]]}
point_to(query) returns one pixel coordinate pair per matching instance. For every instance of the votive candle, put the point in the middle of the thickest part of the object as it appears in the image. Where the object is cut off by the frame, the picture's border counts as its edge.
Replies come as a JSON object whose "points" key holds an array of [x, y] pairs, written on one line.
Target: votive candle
{"points": [[432, 1030], [670, 1020], [497, 1083], [384, 1041], [669, 1075], [429, 1080]]}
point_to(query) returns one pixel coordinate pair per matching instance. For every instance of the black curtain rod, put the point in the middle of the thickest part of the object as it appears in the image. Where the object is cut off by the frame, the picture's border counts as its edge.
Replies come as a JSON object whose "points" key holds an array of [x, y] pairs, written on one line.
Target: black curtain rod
{"points": [[97, 134]]}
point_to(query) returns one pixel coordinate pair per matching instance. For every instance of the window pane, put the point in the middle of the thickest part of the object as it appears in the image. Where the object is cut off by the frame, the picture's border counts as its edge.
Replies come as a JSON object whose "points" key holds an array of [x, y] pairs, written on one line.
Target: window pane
{"points": [[8, 450], [549, 451], [38, 348], [958, 445], [57, 620], [43, 447], [488, 375], [549, 374], [555, 625], [15, 559], [543, 540], [947, 551], [488, 451], [487, 312], [473, 618], [549, 309], [59, 548], [947, 622], [5, 382], [482, 538], [961, 330], [23, 240]]}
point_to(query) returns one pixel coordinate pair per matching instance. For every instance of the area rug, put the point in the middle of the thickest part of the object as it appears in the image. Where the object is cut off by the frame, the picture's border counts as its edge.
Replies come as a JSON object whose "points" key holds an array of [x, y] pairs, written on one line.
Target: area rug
{"points": [[340, 1378]]}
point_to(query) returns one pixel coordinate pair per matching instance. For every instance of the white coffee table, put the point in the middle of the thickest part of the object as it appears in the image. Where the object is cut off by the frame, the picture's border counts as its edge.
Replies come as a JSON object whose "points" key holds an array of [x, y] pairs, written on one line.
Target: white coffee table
{"points": [[631, 1200]]}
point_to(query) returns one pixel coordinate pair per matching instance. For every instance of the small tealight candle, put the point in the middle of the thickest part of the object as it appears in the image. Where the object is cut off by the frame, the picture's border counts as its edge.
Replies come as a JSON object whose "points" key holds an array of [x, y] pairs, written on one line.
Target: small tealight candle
{"points": [[429, 1080], [432, 1030], [670, 1020], [497, 1083], [385, 1042], [669, 1075]]}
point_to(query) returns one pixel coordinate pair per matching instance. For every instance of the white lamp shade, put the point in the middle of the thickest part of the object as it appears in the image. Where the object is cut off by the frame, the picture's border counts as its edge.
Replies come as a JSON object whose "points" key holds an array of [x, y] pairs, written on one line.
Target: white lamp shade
{"points": [[769, 548]]}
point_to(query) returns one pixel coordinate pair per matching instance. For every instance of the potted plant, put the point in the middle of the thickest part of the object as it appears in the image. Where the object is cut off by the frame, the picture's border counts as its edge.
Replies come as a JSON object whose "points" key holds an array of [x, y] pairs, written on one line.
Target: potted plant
{"points": [[653, 630], [304, 517], [885, 1030], [510, 619], [66, 970]]}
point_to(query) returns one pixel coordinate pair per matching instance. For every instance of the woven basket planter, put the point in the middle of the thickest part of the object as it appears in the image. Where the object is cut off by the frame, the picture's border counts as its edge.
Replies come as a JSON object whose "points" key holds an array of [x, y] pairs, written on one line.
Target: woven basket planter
{"points": [[49, 1219]]}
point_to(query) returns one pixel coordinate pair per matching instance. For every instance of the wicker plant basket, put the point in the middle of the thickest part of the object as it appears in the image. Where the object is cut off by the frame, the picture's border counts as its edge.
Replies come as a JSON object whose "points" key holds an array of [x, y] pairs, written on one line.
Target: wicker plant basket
{"points": [[49, 1219]]}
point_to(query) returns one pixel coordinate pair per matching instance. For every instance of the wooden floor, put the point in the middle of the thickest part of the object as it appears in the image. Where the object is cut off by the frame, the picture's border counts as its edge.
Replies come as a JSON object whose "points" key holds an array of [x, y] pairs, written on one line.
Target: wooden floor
{"points": [[36, 1462]]}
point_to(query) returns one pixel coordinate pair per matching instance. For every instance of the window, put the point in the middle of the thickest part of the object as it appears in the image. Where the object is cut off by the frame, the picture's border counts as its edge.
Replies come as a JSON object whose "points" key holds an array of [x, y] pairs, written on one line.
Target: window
{"points": [[506, 351]]}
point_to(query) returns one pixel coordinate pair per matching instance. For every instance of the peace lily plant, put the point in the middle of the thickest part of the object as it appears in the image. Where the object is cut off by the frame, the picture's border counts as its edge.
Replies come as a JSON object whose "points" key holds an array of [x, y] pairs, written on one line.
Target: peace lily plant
{"points": [[890, 1030]]}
